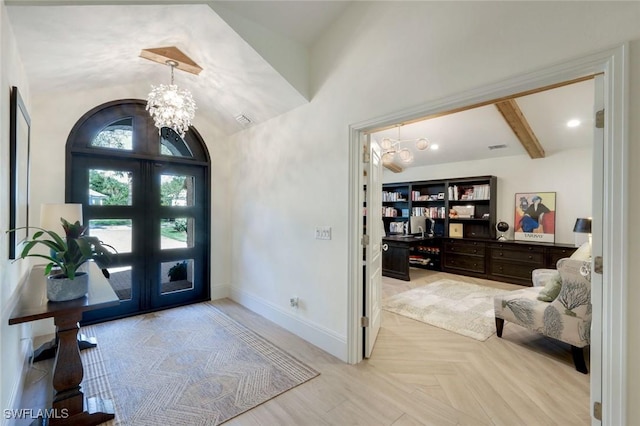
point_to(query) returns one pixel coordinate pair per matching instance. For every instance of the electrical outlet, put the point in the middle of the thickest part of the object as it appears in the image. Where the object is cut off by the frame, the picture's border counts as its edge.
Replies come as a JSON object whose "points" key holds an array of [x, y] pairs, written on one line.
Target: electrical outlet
{"points": [[293, 302], [323, 233]]}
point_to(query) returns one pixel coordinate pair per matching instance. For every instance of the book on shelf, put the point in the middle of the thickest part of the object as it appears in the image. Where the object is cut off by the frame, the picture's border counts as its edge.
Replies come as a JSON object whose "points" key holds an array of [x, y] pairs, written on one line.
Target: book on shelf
{"points": [[396, 227], [430, 212], [473, 192], [389, 212], [393, 196], [418, 260], [464, 212]]}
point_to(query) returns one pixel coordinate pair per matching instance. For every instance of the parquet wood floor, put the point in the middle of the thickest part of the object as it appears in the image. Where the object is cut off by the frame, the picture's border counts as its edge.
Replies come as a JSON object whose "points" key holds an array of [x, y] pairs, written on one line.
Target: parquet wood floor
{"points": [[423, 375]]}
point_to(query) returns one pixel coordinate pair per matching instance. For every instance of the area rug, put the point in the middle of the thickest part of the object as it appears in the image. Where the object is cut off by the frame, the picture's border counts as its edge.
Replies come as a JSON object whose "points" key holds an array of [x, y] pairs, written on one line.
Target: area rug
{"points": [[192, 365], [456, 306]]}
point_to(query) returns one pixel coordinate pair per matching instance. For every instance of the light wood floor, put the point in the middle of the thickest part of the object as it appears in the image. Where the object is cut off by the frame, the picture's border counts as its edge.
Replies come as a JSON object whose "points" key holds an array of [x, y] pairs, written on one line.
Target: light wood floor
{"points": [[423, 375]]}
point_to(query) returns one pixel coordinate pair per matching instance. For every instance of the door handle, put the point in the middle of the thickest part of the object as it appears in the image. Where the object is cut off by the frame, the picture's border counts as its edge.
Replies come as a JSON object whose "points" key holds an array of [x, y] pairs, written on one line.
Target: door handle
{"points": [[385, 247]]}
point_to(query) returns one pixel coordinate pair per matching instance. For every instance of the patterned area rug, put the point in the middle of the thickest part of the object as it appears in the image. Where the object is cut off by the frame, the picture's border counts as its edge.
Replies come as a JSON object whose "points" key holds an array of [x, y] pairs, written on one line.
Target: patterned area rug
{"points": [[191, 365], [456, 306]]}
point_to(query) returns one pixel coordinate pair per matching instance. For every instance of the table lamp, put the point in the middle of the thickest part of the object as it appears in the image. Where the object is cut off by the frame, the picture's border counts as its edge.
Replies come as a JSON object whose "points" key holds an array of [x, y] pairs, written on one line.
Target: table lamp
{"points": [[582, 228], [50, 215]]}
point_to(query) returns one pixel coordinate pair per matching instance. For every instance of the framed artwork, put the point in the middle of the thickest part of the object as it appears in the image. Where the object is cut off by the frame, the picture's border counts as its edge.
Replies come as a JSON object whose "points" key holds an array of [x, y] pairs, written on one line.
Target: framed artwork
{"points": [[19, 139], [535, 217]]}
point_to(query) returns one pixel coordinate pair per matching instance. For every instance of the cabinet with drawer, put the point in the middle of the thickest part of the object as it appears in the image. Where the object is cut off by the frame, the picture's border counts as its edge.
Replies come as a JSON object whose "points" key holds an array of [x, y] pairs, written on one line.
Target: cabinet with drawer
{"points": [[556, 253], [464, 256], [514, 262]]}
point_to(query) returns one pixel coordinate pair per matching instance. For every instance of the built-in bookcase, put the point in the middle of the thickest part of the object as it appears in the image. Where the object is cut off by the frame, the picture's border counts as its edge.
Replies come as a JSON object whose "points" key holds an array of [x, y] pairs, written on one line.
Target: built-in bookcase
{"points": [[395, 207], [469, 204]]}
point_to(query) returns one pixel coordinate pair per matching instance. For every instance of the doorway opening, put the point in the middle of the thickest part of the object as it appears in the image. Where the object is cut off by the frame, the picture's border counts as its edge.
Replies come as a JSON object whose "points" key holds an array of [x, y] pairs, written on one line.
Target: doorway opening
{"points": [[147, 193], [609, 239]]}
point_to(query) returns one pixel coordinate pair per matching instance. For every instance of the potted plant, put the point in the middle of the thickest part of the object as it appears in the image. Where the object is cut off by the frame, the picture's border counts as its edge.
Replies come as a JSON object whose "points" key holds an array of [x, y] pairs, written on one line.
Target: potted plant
{"points": [[178, 272], [68, 254]]}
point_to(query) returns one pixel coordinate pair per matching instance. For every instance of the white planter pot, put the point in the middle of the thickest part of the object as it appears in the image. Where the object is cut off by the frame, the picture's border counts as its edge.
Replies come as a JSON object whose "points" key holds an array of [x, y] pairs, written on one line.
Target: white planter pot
{"points": [[61, 289]]}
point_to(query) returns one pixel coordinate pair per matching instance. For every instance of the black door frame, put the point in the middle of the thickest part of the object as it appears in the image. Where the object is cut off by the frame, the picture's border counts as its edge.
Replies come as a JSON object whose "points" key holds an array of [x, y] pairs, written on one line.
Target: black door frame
{"points": [[144, 162]]}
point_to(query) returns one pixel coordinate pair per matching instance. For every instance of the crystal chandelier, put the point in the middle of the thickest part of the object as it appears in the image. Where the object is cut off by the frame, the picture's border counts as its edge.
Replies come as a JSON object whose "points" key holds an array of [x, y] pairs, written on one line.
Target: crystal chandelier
{"points": [[391, 147], [171, 107]]}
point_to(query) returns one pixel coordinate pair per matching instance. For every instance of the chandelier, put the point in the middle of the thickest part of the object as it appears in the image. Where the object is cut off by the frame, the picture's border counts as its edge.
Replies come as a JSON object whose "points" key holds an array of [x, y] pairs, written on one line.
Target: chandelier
{"points": [[391, 147], [171, 107]]}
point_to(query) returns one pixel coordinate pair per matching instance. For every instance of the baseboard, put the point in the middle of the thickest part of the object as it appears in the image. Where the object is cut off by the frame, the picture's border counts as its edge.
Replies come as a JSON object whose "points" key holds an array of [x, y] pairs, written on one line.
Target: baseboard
{"points": [[315, 334], [18, 386], [219, 292]]}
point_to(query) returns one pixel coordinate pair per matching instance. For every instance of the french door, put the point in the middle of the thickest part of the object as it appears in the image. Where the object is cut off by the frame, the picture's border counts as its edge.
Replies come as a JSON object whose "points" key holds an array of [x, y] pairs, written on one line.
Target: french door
{"points": [[147, 195]]}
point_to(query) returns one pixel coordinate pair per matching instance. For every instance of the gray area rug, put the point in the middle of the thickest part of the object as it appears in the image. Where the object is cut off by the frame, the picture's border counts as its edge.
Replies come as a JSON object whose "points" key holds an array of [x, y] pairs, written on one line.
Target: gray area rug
{"points": [[463, 308], [192, 365]]}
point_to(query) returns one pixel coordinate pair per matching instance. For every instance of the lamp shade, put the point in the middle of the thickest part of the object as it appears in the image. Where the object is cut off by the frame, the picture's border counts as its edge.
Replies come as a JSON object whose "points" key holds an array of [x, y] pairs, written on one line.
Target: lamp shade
{"points": [[583, 226], [50, 215]]}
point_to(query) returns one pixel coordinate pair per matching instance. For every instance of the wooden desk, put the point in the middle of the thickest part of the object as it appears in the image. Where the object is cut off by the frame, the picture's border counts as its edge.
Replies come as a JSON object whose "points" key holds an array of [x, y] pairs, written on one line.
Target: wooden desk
{"points": [[68, 401], [397, 251]]}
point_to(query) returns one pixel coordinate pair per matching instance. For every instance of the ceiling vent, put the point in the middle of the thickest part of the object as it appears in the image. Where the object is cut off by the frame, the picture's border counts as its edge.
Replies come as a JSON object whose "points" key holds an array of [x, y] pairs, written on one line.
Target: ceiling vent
{"points": [[243, 120], [501, 146]]}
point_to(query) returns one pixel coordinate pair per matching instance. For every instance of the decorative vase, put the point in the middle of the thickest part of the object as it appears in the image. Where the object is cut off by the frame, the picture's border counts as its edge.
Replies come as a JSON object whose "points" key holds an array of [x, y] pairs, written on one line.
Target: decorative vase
{"points": [[61, 288]]}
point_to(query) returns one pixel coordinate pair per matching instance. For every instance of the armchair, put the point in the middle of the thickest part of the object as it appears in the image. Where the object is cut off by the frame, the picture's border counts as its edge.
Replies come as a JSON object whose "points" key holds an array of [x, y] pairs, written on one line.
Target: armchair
{"points": [[567, 318]]}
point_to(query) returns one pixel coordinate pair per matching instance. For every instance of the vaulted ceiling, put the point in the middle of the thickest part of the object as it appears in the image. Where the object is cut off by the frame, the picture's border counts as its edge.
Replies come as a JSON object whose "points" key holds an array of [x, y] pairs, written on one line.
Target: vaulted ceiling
{"points": [[255, 60], [254, 55]]}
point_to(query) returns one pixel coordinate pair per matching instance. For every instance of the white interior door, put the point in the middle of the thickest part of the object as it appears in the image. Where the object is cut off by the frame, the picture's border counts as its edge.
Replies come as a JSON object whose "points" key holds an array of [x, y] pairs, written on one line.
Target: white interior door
{"points": [[373, 269], [595, 368]]}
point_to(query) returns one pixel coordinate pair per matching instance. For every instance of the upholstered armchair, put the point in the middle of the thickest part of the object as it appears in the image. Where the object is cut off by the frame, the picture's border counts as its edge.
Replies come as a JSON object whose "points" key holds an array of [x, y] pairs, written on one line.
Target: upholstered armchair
{"points": [[565, 317]]}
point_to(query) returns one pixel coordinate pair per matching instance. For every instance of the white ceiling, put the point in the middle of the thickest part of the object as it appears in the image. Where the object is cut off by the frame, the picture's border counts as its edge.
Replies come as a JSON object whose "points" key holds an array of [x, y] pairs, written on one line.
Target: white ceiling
{"points": [[302, 21], [75, 46], [467, 135]]}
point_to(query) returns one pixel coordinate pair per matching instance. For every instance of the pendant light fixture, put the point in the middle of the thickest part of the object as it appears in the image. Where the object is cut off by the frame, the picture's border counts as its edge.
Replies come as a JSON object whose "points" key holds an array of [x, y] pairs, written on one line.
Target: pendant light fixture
{"points": [[391, 147], [168, 105]]}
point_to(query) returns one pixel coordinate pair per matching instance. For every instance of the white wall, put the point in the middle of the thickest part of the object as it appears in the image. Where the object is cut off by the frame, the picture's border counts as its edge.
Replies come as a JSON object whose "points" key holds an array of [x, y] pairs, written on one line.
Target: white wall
{"points": [[291, 173], [567, 173], [12, 348]]}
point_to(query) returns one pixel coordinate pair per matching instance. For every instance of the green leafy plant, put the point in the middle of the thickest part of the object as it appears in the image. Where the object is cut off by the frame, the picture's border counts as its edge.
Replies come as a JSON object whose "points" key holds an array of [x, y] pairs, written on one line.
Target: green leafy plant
{"points": [[178, 272], [71, 252]]}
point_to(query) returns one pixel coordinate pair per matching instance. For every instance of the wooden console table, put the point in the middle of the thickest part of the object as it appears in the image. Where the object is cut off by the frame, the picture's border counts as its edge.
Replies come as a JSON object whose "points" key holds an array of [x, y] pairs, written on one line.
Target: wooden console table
{"points": [[68, 401]]}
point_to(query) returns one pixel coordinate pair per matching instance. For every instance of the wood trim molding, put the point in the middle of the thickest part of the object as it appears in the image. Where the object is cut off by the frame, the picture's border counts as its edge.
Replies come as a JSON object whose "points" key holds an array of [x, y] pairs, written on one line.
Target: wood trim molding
{"points": [[520, 126], [171, 53], [393, 167]]}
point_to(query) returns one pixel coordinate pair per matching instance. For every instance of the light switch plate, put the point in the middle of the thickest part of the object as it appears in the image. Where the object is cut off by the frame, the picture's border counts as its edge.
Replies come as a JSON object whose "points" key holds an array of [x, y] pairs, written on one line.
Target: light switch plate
{"points": [[323, 233]]}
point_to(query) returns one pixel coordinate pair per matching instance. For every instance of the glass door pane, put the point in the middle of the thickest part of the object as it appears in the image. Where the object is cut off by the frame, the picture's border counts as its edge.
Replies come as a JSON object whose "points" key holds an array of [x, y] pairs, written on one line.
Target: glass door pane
{"points": [[113, 198], [181, 248]]}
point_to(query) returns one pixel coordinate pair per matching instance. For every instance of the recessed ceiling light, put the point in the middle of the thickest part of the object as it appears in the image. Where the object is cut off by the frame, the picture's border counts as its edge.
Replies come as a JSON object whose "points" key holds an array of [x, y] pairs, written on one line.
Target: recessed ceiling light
{"points": [[434, 147], [573, 123]]}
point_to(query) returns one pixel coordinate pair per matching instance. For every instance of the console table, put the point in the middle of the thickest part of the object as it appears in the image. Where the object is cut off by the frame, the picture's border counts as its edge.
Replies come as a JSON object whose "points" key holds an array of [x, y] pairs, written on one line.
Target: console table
{"points": [[68, 401]]}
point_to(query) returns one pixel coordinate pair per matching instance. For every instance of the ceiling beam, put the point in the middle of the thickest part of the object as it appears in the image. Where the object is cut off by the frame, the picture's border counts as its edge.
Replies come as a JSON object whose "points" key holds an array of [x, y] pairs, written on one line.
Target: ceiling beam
{"points": [[484, 103], [393, 167], [518, 123], [163, 55]]}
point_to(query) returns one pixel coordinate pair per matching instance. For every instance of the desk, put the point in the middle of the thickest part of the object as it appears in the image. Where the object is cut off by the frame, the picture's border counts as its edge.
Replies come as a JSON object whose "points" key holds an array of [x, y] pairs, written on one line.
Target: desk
{"points": [[68, 401], [399, 252]]}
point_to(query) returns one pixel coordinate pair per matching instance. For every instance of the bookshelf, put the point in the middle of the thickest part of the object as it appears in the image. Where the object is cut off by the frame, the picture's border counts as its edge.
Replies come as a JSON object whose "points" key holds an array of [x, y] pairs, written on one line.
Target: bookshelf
{"points": [[468, 202], [395, 207]]}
